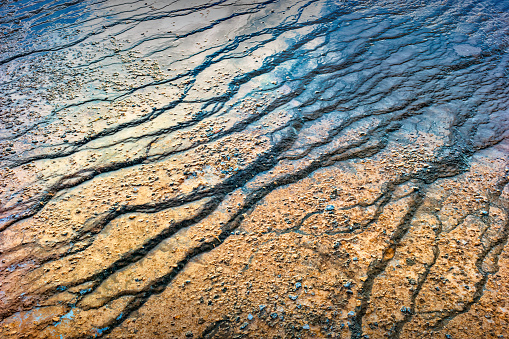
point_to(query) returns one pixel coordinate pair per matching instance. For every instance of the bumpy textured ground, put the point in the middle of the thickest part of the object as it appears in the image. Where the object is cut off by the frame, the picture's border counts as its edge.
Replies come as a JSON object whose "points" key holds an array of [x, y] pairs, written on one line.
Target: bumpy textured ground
{"points": [[254, 169]]}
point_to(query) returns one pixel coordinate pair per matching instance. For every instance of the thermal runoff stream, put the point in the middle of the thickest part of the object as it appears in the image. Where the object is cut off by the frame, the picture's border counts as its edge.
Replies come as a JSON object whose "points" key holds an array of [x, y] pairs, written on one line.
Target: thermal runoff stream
{"points": [[254, 169]]}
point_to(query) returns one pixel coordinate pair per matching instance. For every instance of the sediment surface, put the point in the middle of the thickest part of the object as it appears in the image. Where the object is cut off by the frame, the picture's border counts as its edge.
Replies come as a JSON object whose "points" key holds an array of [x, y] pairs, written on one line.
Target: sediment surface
{"points": [[254, 169]]}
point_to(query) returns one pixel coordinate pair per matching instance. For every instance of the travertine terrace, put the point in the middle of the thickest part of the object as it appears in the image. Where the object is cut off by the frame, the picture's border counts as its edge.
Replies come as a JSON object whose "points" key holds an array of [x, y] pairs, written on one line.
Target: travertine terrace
{"points": [[254, 169]]}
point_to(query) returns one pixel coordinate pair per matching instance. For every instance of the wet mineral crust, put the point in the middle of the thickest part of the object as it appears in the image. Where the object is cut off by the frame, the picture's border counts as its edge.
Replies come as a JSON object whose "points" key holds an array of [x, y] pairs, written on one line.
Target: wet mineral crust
{"points": [[254, 169]]}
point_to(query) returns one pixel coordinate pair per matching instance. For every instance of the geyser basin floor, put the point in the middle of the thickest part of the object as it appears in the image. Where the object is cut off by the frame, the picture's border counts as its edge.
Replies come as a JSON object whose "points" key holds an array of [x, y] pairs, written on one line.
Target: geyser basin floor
{"points": [[270, 169]]}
